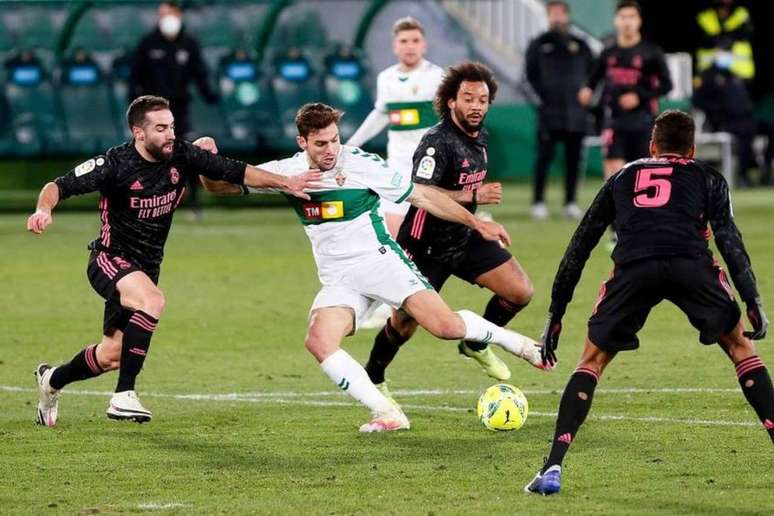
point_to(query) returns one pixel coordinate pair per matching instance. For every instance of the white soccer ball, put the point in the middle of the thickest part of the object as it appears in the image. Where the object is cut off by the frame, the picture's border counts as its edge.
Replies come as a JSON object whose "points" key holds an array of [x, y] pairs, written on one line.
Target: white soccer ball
{"points": [[502, 407]]}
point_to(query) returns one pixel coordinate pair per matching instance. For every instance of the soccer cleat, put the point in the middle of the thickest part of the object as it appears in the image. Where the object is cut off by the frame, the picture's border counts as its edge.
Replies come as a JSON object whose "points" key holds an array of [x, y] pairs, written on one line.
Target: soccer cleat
{"points": [[126, 406], [489, 362], [539, 211], [388, 422], [382, 387], [48, 398], [547, 483], [377, 318], [572, 211]]}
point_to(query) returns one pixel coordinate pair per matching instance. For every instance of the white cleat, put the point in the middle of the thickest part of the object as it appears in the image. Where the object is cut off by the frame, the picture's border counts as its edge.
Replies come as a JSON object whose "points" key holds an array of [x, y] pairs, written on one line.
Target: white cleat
{"points": [[377, 318], [572, 211], [539, 211], [48, 397], [387, 422], [526, 349], [126, 406]]}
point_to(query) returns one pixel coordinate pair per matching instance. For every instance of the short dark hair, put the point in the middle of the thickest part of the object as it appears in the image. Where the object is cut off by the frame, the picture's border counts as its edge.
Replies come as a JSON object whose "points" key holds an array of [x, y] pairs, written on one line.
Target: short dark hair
{"points": [[450, 85], [174, 4], [558, 3], [673, 132], [624, 4], [135, 115], [407, 23], [315, 116]]}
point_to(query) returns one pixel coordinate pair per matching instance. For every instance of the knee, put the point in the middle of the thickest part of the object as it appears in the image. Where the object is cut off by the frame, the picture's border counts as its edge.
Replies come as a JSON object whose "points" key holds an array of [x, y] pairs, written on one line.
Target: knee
{"points": [[318, 345], [153, 303], [520, 293], [449, 327]]}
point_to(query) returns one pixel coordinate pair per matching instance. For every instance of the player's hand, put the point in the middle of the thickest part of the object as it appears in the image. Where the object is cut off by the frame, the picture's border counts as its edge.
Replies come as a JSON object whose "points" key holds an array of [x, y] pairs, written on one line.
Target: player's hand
{"points": [[39, 221], [295, 185], [489, 193], [584, 96], [550, 340], [629, 101], [206, 143], [493, 231], [757, 318]]}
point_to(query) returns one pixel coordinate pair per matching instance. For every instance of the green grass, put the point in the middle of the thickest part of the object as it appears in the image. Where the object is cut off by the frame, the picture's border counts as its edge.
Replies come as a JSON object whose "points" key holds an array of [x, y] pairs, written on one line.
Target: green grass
{"points": [[238, 289]]}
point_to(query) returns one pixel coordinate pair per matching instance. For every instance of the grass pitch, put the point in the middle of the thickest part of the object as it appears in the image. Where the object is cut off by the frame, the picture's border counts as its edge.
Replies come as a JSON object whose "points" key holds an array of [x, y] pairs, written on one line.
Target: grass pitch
{"points": [[245, 422]]}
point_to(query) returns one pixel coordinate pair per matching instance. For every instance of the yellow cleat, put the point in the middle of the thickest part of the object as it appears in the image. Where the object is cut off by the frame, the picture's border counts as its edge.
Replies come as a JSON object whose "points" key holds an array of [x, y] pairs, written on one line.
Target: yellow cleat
{"points": [[489, 362]]}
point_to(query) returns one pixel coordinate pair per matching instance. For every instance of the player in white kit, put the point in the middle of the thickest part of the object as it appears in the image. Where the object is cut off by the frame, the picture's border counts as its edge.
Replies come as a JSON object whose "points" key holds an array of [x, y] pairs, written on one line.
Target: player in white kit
{"points": [[404, 102], [359, 263]]}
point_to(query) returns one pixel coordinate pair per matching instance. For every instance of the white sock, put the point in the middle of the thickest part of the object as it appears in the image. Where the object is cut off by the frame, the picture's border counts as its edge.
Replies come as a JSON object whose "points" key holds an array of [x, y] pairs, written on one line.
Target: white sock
{"points": [[350, 376], [479, 329]]}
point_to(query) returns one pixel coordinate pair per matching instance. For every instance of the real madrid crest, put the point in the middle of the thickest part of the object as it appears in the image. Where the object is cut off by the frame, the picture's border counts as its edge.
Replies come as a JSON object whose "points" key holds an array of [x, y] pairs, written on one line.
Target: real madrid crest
{"points": [[174, 175], [340, 176]]}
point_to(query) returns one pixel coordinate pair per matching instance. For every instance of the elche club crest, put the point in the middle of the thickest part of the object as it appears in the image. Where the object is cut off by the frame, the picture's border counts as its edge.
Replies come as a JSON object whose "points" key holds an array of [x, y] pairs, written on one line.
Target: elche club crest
{"points": [[174, 175], [340, 176]]}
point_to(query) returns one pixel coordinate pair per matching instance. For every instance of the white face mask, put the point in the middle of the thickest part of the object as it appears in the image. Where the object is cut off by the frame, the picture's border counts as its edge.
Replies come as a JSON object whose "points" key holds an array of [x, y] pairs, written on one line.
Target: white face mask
{"points": [[170, 25]]}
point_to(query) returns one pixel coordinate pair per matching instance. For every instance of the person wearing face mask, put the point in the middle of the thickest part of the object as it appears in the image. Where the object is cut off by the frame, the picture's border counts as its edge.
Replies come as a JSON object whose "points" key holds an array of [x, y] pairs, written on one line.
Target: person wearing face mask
{"points": [[167, 61], [726, 34], [557, 63], [725, 100]]}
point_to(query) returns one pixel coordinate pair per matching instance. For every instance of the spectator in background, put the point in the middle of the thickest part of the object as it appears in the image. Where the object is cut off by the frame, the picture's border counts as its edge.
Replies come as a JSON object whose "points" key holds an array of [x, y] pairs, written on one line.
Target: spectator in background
{"points": [[726, 33], [724, 98], [166, 62], [557, 65]]}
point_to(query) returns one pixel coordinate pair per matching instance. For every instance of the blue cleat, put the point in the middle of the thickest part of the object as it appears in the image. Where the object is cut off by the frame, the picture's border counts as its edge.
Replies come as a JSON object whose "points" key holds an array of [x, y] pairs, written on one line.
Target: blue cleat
{"points": [[547, 483]]}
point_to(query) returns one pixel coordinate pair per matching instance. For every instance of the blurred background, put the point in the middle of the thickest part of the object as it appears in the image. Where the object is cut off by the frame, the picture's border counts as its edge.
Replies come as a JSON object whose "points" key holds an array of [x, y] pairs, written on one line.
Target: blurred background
{"points": [[67, 74]]}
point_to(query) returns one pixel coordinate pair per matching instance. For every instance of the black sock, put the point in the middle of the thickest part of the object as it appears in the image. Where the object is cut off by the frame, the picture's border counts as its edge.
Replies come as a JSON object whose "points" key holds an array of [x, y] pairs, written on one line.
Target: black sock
{"points": [[137, 337], [573, 409], [498, 311], [386, 346], [756, 386], [83, 366]]}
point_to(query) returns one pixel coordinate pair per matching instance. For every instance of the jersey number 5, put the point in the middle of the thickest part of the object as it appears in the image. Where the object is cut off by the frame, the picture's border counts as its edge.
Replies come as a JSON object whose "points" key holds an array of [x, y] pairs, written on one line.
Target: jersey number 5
{"points": [[652, 188]]}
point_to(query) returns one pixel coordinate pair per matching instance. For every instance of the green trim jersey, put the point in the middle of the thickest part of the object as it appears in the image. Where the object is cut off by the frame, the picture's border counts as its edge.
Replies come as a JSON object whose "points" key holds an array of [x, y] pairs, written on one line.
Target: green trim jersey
{"points": [[407, 98], [343, 218]]}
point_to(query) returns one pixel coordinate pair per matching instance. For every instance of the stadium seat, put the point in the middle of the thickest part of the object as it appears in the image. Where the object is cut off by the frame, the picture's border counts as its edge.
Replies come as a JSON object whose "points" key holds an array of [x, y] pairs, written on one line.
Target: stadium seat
{"points": [[345, 88], [120, 70], [294, 82], [246, 100], [34, 114], [86, 105]]}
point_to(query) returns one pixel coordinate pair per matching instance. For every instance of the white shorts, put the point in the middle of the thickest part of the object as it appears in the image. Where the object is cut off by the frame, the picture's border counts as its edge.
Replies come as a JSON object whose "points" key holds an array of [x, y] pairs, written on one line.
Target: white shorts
{"points": [[389, 278]]}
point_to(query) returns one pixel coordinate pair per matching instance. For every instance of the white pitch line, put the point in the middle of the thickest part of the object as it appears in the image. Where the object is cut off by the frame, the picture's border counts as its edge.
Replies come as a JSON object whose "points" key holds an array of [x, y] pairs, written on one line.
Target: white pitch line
{"points": [[399, 392], [237, 397], [161, 506]]}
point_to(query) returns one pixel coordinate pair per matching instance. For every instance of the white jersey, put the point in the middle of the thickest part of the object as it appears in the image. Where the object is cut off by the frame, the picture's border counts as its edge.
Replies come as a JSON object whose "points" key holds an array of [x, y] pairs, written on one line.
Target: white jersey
{"points": [[343, 218], [407, 98]]}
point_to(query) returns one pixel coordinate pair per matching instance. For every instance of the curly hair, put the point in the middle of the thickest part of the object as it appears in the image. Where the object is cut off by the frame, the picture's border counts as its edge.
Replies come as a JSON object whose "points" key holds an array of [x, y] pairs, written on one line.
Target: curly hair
{"points": [[450, 85]]}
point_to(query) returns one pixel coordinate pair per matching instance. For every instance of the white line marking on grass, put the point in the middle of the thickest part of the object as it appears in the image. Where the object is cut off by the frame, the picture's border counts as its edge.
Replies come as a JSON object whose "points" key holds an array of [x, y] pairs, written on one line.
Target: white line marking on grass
{"points": [[161, 506], [277, 398]]}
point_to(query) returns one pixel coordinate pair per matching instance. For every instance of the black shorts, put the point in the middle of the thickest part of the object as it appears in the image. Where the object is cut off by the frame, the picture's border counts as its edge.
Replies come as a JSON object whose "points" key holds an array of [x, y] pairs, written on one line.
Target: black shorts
{"points": [[480, 256], [625, 145], [697, 285], [104, 271]]}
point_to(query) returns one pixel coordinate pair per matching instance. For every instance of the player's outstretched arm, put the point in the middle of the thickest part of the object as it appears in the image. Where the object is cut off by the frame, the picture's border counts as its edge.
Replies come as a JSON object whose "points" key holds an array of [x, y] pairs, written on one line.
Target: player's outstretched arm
{"points": [[488, 193], [47, 200], [731, 247], [443, 207], [374, 123]]}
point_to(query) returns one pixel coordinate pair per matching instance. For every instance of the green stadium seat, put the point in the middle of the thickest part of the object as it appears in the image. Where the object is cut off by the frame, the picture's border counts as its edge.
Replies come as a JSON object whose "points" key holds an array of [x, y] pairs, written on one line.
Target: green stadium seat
{"points": [[34, 114], [294, 82], [87, 107], [346, 89]]}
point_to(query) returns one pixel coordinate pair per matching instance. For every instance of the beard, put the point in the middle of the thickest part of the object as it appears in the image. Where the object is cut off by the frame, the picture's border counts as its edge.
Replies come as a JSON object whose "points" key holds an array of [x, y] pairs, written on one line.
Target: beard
{"points": [[158, 152], [466, 125]]}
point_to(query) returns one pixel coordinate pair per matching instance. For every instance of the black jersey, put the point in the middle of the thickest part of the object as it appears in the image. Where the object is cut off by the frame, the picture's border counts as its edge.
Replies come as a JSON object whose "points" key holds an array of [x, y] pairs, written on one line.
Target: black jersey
{"points": [[138, 197], [660, 207], [449, 159], [640, 69]]}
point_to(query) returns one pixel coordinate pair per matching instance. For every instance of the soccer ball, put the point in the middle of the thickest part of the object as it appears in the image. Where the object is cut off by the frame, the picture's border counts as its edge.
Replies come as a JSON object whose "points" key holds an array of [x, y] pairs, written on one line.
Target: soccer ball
{"points": [[502, 407]]}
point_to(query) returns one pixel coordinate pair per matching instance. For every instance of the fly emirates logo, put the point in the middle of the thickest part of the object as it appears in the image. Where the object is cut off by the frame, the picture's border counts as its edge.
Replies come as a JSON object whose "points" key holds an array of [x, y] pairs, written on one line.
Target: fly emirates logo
{"points": [[152, 207]]}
